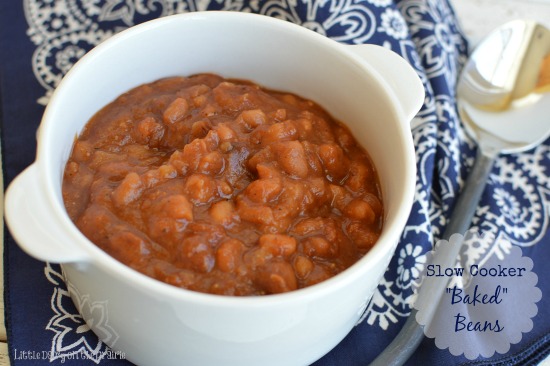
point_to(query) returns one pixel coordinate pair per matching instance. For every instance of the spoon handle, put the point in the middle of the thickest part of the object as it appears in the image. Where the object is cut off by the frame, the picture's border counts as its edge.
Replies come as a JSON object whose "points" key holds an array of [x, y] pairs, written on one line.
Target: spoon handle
{"points": [[412, 334], [467, 202]]}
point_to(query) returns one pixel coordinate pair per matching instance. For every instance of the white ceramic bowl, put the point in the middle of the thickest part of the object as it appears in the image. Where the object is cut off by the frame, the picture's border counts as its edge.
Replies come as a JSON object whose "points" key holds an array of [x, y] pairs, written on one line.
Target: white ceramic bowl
{"points": [[374, 91]]}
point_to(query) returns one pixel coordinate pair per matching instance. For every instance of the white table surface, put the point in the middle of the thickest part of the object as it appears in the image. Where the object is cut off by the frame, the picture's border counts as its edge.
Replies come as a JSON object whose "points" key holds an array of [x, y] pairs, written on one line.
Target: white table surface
{"points": [[480, 17]]}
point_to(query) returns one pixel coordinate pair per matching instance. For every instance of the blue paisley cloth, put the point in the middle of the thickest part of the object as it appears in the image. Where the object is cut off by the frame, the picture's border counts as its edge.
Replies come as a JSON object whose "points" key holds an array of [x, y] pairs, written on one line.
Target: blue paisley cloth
{"points": [[42, 39]]}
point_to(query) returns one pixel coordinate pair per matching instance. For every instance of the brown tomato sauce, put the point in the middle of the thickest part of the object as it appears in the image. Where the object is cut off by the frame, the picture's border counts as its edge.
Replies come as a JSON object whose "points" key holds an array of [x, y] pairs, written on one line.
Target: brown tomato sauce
{"points": [[223, 187]]}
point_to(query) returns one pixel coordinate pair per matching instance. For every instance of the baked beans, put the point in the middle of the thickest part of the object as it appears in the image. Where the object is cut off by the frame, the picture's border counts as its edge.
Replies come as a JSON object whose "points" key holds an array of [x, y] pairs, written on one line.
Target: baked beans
{"points": [[221, 186]]}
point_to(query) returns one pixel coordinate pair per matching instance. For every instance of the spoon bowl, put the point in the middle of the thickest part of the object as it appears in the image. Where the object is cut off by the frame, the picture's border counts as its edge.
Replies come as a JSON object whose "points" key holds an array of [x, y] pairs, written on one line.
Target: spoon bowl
{"points": [[497, 95]]}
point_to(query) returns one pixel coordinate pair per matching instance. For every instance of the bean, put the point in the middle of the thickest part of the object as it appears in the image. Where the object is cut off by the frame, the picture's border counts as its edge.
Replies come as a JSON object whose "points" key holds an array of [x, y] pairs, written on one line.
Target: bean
{"points": [[200, 128], [344, 138], [319, 188], [208, 110], [94, 223], [325, 227], [322, 129], [262, 215], [167, 217], [177, 160], [127, 245], [160, 268], [167, 171], [264, 190], [302, 266], [199, 101], [374, 203], [212, 164], [166, 231], [305, 128], [317, 246], [187, 161], [71, 168], [82, 151], [261, 157], [256, 257], [142, 155], [278, 244], [236, 172], [116, 170], [229, 255], [224, 189], [197, 90], [226, 146], [312, 157], [291, 157], [196, 254], [282, 131], [182, 278], [277, 277], [252, 118], [335, 163], [292, 199], [290, 99], [318, 274], [267, 171], [363, 237], [176, 207], [280, 115], [177, 135], [309, 226], [78, 183], [340, 196], [223, 213], [195, 149], [101, 157], [129, 190], [357, 177], [229, 96], [148, 132], [211, 140], [211, 233], [200, 189], [165, 84], [360, 210], [331, 230], [225, 132], [175, 111], [101, 193], [197, 93]]}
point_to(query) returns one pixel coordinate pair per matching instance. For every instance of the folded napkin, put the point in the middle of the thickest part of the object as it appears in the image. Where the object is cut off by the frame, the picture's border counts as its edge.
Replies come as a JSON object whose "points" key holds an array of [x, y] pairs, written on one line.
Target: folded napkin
{"points": [[39, 42]]}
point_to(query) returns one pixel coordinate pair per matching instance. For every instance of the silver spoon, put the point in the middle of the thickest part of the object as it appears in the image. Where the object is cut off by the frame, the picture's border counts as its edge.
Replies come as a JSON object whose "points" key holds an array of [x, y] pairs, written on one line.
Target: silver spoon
{"points": [[504, 112]]}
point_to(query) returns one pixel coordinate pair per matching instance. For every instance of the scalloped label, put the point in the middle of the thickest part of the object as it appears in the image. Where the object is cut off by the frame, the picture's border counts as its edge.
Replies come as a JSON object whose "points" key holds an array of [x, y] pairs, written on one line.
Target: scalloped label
{"points": [[484, 306]]}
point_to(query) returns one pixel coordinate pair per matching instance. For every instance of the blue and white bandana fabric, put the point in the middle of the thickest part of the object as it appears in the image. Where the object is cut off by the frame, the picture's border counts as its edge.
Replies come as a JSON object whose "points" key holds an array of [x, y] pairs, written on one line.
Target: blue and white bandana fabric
{"points": [[40, 40]]}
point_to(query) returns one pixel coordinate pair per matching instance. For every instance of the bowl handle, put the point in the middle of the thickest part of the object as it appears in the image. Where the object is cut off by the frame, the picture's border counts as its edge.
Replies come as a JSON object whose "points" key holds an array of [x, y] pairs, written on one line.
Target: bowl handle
{"points": [[399, 75], [35, 227]]}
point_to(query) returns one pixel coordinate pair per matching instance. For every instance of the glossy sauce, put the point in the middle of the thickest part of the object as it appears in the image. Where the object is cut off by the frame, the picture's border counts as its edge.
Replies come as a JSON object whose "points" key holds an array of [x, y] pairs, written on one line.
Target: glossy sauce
{"points": [[223, 187]]}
